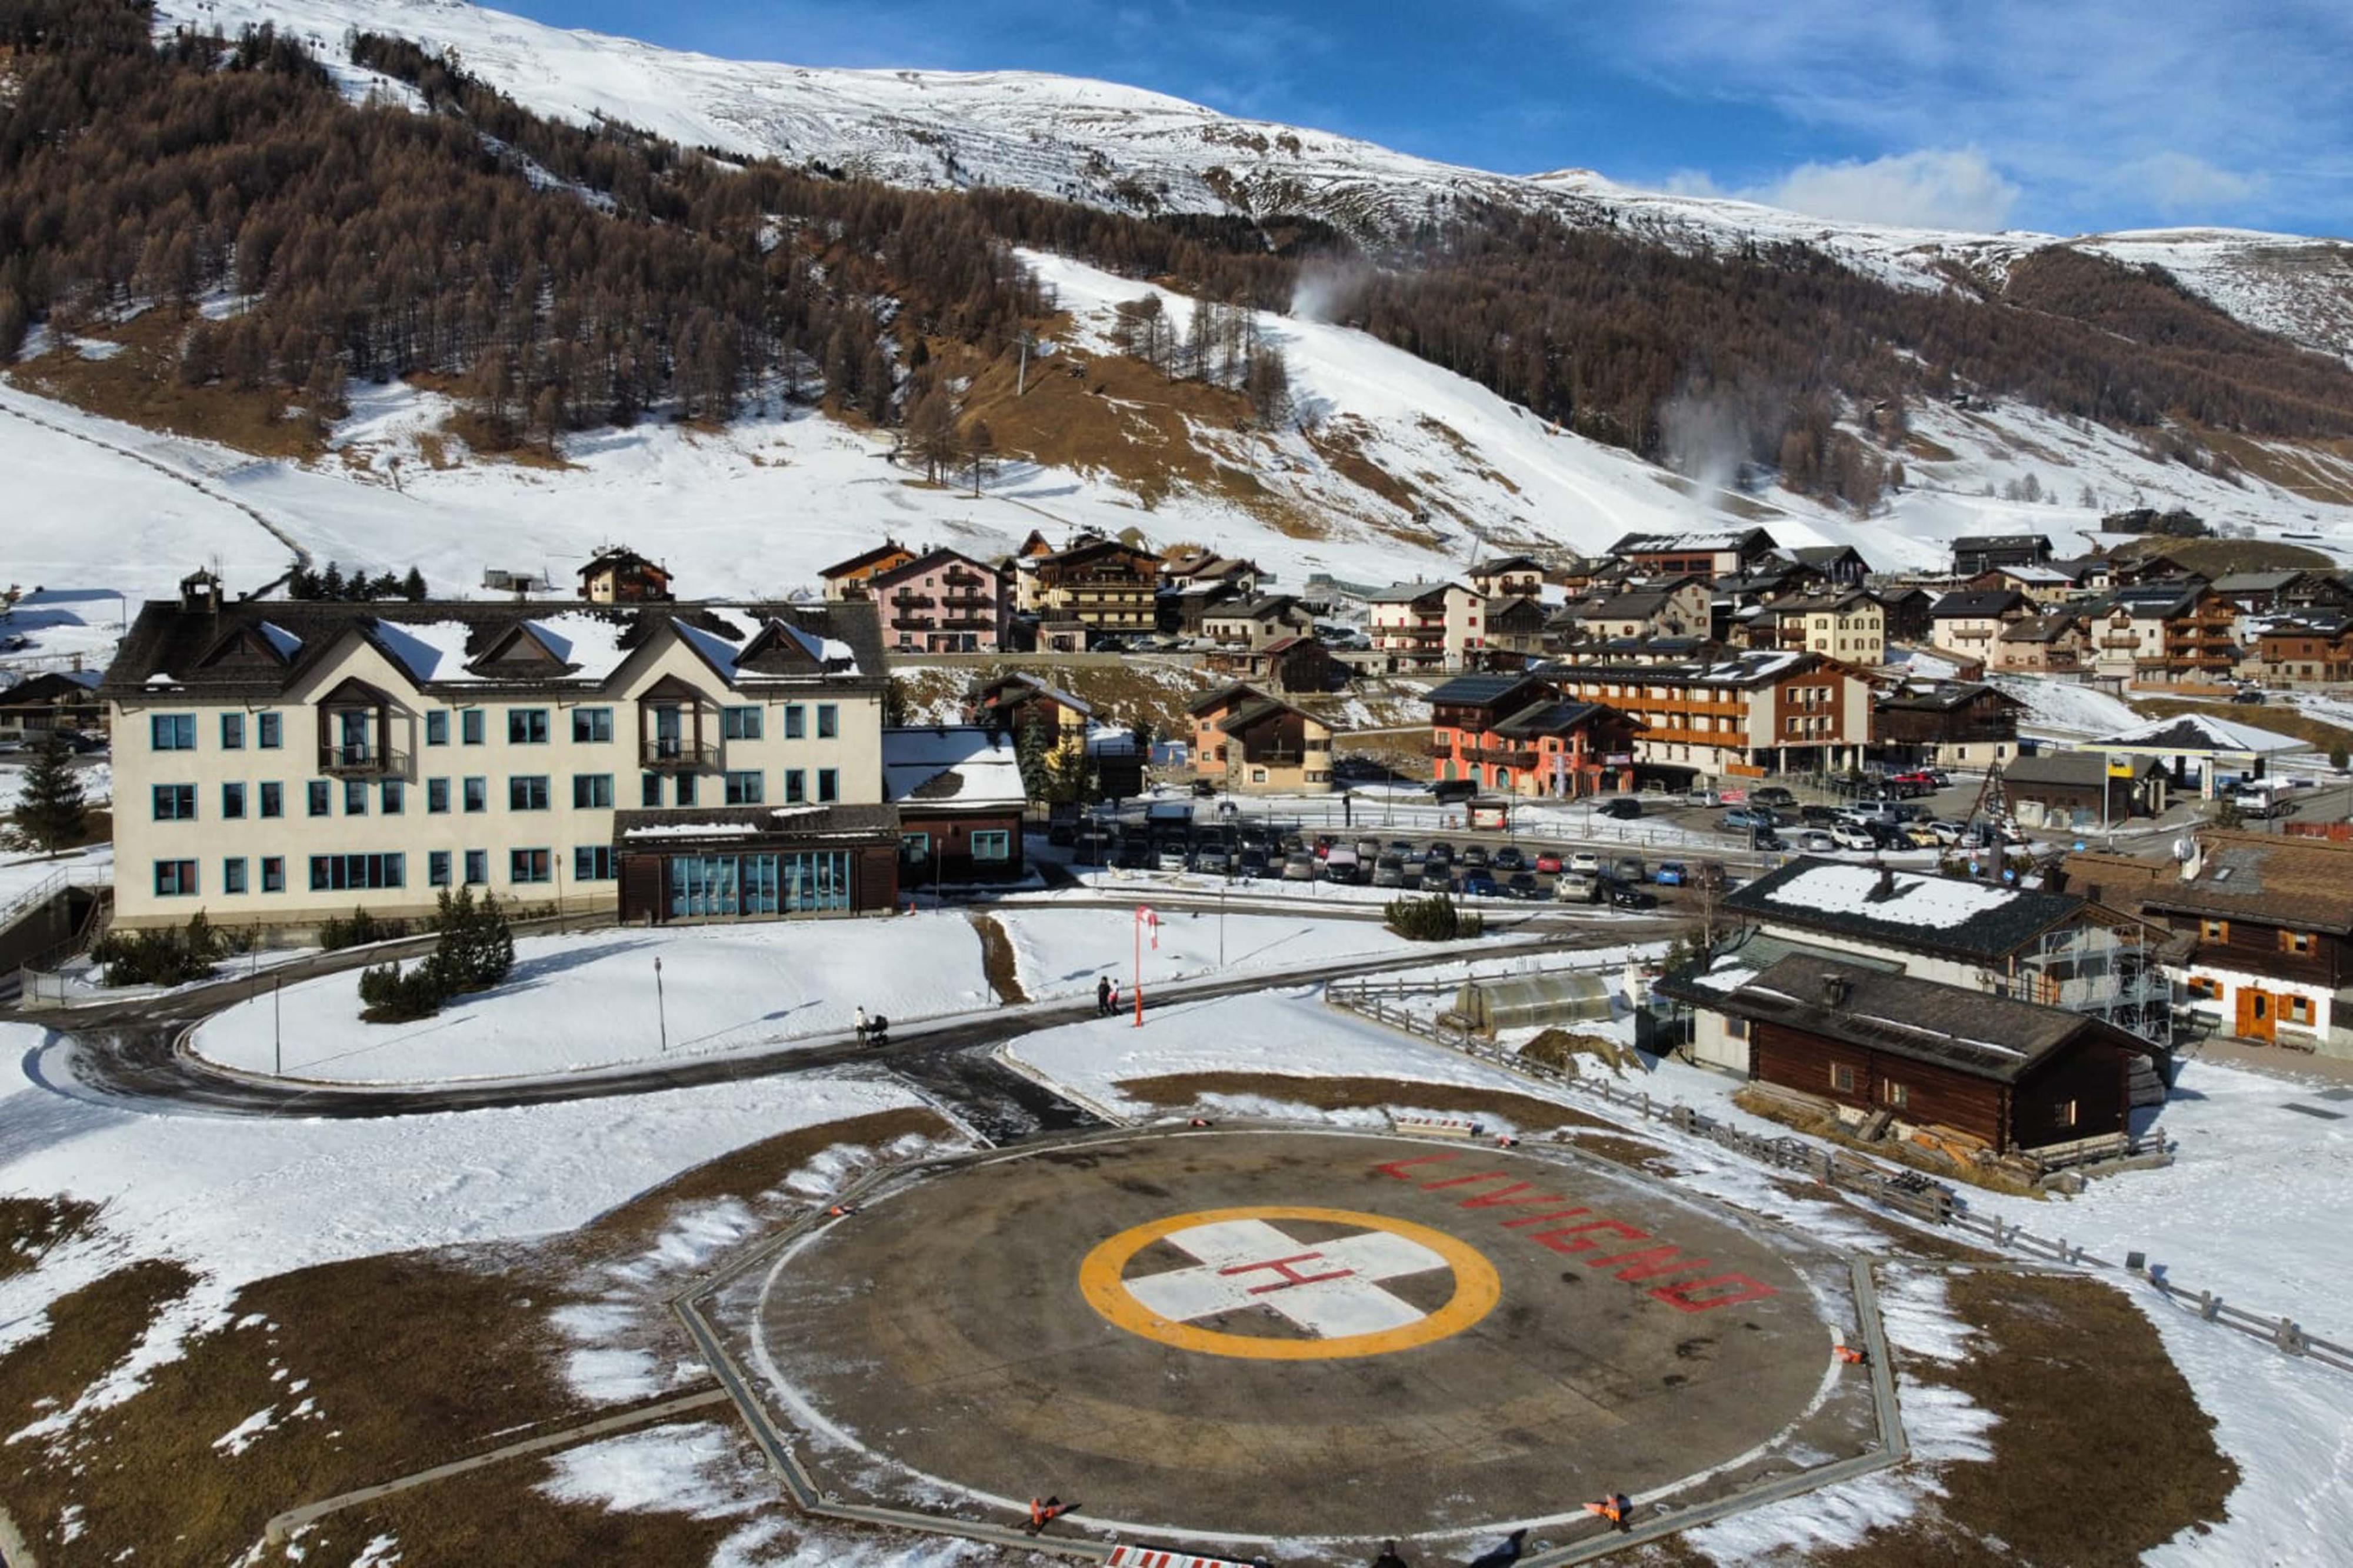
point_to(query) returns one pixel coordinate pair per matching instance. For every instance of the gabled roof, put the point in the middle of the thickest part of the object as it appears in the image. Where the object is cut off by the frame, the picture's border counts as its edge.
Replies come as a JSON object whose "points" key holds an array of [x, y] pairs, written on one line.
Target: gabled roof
{"points": [[957, 765], [2073, 769], [1974, 603], [1506, 564], [616, 559], [926, 562], [1252, 714], [1410, 593], [1954, 1026], [1743, 540], [865, 559], [2256, 877], [1906, 910], [1480, 691], [1014, 686], [1944, 696], [2041, 628], [1558, 719], [1823, 557]]}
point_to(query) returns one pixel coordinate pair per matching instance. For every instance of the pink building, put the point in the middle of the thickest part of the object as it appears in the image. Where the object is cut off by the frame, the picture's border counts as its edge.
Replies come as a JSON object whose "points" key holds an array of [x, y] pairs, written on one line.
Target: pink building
{"points": [[942, 602]]}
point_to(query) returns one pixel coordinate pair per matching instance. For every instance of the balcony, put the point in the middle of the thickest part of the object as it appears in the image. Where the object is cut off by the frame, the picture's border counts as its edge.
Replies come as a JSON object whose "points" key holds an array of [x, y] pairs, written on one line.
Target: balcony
{"points": [[912, 601], [914, 624], [677, 755], [968, 623], [1502, 756], [362, 762]]}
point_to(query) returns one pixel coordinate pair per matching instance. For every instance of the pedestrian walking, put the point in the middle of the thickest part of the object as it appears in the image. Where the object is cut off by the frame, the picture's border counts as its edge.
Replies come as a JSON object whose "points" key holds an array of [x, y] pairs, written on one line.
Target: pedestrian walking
{"points": [[861, 1026], [1103, 996], [1113, 1009], [1045, 1511], [1390, 1558]]}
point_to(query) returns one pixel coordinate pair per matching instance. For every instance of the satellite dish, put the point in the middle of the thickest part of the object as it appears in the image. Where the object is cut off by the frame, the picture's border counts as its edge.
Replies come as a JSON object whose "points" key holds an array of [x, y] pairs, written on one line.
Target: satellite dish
{"points": [[2184, 849]]}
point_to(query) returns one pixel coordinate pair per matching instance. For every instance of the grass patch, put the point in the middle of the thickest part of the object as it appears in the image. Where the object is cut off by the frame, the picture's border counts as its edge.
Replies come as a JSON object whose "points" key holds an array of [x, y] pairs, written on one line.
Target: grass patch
{"points": [[998, 962], [1178, 1091], [140, 384], [2101, 1453], [2280, 717], [30, 1227], [1629, 1151], [2211, 558], [1907, 1240]]}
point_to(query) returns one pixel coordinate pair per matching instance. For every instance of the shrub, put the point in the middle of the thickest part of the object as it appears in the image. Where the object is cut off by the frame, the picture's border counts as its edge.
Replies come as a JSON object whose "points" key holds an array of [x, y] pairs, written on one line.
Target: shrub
{"points": [[1433, 919], [165, 957], [2338, 758], [359, 931], [391, 994]]}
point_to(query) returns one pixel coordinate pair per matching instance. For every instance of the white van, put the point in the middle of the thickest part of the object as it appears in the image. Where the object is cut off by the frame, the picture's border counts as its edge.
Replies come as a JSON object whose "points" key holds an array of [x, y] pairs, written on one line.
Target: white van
{"points": [[1345, 867]]}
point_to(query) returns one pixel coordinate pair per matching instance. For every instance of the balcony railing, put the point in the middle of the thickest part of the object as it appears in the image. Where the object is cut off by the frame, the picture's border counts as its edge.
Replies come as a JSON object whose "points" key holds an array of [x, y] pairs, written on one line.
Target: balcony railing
{"points": [[912, 601], [360, 760], [674, 754], [1502, 756]]}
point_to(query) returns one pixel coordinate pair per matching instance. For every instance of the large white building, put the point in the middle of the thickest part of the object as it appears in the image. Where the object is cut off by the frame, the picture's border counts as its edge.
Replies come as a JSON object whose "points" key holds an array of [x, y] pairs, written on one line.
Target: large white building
{"points": [[277, 763]]}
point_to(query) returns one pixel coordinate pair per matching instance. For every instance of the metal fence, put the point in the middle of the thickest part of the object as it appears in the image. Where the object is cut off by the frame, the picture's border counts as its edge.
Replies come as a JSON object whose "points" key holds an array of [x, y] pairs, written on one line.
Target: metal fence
{"points": [[1910, 1192]]}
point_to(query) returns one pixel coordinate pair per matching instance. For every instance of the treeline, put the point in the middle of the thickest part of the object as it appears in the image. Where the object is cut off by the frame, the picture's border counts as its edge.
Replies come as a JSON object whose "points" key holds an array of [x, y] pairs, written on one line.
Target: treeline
{"points": [[358, 587]]}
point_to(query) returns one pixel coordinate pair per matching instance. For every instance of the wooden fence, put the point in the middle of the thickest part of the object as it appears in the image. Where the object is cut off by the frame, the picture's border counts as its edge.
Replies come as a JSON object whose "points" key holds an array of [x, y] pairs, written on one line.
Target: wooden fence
{"points": [[1908, 1192]]}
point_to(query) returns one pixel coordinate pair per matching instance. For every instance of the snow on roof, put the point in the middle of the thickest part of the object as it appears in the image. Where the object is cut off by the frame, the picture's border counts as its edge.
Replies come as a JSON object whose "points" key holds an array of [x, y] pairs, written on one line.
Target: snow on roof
{"points": [[961, 763], [691, 830], [1937, 903], [427, 650], [593, 642], [287, 644], [161, 677]]}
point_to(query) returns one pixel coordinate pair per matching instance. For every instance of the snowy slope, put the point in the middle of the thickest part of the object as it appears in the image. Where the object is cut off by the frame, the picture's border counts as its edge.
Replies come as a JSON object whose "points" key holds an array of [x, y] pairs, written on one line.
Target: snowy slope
{"points": [[1122, 147]]}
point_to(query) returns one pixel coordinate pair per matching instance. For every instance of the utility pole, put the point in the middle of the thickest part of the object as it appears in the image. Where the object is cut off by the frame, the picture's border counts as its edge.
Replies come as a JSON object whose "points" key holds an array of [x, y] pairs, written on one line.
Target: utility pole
{"points": [[1021, 376], [661, 1009]]}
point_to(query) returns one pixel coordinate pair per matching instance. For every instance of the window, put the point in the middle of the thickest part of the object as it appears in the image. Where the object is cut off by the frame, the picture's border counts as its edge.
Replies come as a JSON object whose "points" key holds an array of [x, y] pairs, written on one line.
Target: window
{"points": [[233, 875], [649, 790], [1841, 1077], [828, 721], [437, 869], [232, 731], [2295, 942], [526, 726], [527, 791], [992, 844], [477, 794], [273, 799], [796, 786], [593, 863], [469, 726], [269, 732], [829, 785], [2299, 1009], [391, 796], [592, 725], [320, 802], [592, 792], [436, 796], [527, 866], [739, 724], [914, 848], [796, 721], [273, 873], [345, 873], [2066, 1113], [172, 732], [2214, 930], [437, 729], [686, 789], [743, 789], [1896, 1094], [478, 867], [1257, 775], [232, 801], [176, 802], [355, 797], [2203, 988], [176, 878]]}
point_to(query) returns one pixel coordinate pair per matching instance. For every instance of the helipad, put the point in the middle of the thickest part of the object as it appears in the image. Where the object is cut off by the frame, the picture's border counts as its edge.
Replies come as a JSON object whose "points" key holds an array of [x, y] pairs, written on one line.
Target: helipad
{"points": [[1237, 1337]]}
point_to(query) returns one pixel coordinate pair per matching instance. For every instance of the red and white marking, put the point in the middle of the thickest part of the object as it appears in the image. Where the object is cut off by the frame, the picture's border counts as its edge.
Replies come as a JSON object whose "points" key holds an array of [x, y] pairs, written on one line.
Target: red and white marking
{"points": [[1156, 1557], [1329, 1288]]}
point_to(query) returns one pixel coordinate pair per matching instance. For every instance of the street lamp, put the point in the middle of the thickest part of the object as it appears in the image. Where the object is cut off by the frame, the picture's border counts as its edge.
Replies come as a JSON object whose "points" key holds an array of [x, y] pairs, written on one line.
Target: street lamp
{"points": [[661, 1009]]}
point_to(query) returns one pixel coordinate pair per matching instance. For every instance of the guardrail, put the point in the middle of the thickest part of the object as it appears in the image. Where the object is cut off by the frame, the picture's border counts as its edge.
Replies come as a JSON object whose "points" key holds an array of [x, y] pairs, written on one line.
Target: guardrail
{"points": [[51, 886], [1907, 1192]]}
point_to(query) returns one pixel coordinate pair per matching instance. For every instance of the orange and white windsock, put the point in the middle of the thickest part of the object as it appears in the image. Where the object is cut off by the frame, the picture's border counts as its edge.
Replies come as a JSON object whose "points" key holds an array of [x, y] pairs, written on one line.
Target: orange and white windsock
{"points": [[1149, 919]]}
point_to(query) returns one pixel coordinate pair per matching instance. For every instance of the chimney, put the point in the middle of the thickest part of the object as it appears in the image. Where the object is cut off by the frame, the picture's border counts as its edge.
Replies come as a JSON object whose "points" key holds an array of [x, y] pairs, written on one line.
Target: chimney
{"points": [[1833, 989]]}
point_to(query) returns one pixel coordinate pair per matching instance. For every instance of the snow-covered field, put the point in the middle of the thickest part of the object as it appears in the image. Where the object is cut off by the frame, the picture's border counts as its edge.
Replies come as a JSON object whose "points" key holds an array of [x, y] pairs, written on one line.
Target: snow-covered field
{"points": [[1060, 951], [589, 1000]]}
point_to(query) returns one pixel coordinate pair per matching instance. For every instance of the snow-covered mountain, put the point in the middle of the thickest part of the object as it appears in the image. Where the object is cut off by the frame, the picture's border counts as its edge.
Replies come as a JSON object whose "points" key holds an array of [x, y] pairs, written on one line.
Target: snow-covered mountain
{"points": [[1122, 147]]}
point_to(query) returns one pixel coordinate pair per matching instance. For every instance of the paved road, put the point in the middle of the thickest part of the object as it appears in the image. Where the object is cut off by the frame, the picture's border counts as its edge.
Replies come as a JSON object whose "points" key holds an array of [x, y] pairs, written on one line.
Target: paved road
{"points": [[136, 1064]]}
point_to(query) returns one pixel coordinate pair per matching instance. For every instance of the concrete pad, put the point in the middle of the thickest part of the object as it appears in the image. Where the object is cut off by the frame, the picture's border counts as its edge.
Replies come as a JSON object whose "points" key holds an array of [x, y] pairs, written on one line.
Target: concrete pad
{"points": [[1246, 1337]]}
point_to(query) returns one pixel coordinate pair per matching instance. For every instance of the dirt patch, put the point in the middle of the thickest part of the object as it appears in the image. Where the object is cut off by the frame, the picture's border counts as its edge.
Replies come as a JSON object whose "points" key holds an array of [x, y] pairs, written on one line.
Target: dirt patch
{"points": [[2061, 1358], [1906, 1239], [1151, 692], [1630, 1152], [2212, 558], [1177, 1090], [139, 383], [996, 960], [29, 1228], [1570, 1052]]}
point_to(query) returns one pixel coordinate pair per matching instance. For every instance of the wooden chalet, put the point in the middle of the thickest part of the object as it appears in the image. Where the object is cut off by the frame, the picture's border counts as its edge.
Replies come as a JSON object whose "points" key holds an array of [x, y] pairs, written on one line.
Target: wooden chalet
{"points": [[849, 579], [622, 576]]}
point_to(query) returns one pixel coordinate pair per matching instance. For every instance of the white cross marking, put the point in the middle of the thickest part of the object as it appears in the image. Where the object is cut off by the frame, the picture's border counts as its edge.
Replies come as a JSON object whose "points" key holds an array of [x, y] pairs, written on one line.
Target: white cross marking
{"points": [[1328, 1287]]}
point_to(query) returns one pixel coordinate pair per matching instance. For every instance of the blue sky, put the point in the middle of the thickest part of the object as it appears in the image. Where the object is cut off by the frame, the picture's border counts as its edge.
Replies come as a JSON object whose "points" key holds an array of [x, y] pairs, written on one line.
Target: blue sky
{"points": [[1979, 113]]}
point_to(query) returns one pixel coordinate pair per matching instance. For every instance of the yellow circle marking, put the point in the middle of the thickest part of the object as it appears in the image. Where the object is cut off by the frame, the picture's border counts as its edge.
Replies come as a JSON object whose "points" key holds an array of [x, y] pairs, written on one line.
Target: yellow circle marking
{"points": [[1102, 1274]]}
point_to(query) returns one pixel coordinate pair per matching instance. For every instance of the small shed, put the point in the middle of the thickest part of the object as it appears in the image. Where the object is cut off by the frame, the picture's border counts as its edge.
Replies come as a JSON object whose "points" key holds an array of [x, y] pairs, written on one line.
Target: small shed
{"points": [[1529, 1001]]}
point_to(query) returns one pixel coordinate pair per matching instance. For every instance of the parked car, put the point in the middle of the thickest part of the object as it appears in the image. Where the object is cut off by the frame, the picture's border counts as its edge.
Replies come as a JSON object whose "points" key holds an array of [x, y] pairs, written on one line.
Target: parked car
{"points": [[1479, 885], [1474, 857], [1854, 836], [1669, 874], [1711, 874], [1815, 841], [1619, 808], [1741, 818], [1770, 841], [1211, 859], [1626, 895], [1772, 794], [1342, 865], [2254, 694], [1368, 850], [1255, 836], [1439, 853], [1700, 797], [1508, 857], [1437, 882], [1576, 888], [1921, 835], [1299, 866], [1323, 846], [1947, 833], [1133, 857], [1587, 862], [1548, 860], [1524, 886], [1252, 865], [1388, 871], [1171, 858], [1630, 868], [1404, 850], [1818, 816]]}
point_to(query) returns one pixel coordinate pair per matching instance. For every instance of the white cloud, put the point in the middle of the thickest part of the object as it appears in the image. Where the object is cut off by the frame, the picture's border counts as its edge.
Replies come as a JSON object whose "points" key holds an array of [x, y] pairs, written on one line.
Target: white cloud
{"points": [[1957, 188], [2183, 186]]}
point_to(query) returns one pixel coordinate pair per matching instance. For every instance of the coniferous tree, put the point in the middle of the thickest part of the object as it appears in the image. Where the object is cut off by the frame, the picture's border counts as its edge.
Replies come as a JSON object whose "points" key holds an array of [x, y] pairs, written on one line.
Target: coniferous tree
{"points": [[52, 813]]}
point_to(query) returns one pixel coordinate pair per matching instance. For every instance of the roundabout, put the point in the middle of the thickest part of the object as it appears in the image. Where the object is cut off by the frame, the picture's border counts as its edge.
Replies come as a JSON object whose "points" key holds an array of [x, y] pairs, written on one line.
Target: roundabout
{"points": [[1256, 1336]]}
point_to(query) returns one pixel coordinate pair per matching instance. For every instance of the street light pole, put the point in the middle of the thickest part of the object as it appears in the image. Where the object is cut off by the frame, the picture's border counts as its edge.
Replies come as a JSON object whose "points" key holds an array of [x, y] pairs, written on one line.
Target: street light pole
{"points": [[277, 1030], [661, 1008]]}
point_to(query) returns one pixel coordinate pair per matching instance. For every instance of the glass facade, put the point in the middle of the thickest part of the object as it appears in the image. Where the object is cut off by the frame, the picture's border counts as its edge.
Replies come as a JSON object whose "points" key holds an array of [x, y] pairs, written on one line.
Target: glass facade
{"points": [[720, 886]]}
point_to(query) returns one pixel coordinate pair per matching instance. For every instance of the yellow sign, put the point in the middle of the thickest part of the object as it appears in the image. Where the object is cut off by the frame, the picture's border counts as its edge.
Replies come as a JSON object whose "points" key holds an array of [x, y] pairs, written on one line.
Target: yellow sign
{"points": [[1331, 1293]]}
